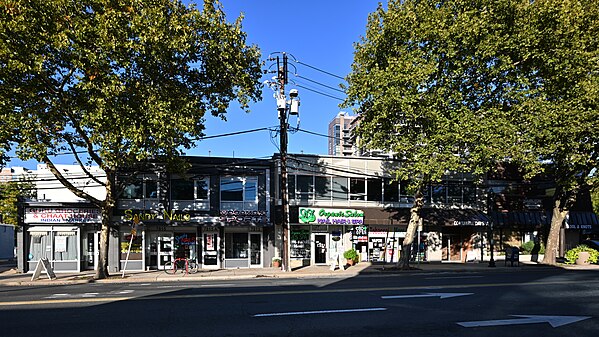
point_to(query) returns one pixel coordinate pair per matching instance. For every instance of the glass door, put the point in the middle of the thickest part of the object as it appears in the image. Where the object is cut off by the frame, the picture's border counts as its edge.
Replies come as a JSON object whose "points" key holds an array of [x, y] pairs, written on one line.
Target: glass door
{"points": [[255, 250], [91, 250], [165, 249], [210, 246], [320, 248]]}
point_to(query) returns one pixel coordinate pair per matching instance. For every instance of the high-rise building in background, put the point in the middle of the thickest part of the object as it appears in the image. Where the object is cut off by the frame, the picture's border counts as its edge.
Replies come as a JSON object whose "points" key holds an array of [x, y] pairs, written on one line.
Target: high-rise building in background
{"points": [[341, 142]]}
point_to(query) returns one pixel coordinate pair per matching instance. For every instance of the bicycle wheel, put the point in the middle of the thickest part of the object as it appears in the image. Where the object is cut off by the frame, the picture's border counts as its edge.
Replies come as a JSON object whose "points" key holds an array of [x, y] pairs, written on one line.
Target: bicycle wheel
{"points": [[170, 268], [193, 267]]}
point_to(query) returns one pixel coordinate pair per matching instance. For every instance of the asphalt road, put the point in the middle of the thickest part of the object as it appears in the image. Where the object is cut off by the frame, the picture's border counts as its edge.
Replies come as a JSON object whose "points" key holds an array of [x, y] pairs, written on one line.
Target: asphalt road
{"points": [[540, 303]]}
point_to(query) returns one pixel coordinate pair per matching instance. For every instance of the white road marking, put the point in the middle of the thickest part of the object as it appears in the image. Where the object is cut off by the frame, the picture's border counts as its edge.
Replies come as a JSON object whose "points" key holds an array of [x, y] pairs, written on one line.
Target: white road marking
{"points": [[554, 321], [126, 291], [339, 311], [441, 295]]}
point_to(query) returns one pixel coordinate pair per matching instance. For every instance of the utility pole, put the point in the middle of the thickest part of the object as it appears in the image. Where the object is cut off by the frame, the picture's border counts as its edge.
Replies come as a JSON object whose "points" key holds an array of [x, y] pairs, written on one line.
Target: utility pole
{"points": [[285, 108], [282, 109]]}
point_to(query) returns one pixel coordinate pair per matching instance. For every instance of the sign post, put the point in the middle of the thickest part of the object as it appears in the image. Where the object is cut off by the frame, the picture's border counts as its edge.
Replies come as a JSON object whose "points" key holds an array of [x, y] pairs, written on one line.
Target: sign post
{"points": [[133, 233]]}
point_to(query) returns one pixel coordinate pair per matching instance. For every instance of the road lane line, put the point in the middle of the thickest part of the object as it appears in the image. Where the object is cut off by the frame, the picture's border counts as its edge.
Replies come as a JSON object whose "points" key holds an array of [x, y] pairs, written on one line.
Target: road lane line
{"points": [[296, 292], [337, 311]]}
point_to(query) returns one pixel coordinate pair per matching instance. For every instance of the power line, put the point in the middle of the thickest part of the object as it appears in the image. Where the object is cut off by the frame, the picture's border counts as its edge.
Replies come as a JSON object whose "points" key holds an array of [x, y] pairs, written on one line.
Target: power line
{"points": [[322, 84], [321, 93], [318, 69]]}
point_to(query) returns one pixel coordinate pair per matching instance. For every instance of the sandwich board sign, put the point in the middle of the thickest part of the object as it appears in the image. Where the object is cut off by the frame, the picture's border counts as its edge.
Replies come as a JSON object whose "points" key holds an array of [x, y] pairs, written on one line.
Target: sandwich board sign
{"points": [[45, 264]]}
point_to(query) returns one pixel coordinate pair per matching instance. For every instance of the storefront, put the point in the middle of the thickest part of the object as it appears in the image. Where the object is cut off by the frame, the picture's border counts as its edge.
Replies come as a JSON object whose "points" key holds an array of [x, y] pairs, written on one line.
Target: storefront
{"points": [[234, 239], [320, 235], [59, 234]]}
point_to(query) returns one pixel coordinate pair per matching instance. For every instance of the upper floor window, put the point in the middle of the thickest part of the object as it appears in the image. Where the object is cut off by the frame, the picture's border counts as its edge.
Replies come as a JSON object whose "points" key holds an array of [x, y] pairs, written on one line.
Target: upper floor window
{"points": [[239, 193], [189, 189], [357, 188], [391, 190], [140, 187]]}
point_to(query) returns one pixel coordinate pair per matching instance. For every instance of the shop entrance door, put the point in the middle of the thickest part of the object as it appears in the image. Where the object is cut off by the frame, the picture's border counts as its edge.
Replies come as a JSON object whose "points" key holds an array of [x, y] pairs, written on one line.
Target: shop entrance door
{"points": [[255, 250], [451, 248], [165, 249], [91, 250], [210, 244], [320, 248]]}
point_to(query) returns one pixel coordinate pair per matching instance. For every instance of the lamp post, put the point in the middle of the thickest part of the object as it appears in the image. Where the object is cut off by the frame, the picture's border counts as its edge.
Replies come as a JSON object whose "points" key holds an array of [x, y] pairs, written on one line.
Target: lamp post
{"points": [[490, 238]]}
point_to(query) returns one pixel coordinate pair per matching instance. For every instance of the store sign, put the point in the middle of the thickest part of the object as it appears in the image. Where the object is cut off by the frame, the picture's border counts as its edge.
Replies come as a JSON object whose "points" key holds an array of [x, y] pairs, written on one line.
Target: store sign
{"points": [[469, 223], [244, 217], [360, 233], [326, 216], [185, 239], [62, 215], [136, 217]]}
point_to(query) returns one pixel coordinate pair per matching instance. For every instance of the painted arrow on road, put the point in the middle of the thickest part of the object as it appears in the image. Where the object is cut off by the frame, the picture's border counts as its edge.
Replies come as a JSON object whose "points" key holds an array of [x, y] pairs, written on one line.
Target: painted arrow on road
{"points": [[441, 295], [554, 321]]}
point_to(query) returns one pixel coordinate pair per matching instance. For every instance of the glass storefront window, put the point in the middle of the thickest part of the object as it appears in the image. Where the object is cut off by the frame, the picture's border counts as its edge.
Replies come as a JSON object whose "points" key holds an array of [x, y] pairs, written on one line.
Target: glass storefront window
{"points": [[300, 243], [136, 246], [65, 246], [236, 245], [39, 245]]}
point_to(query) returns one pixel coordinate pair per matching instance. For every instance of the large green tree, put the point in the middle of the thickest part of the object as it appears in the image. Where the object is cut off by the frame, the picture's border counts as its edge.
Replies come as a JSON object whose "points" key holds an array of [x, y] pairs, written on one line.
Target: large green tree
{"points": [[429, 81], [117, 82], [465, 85], [558, 123]]}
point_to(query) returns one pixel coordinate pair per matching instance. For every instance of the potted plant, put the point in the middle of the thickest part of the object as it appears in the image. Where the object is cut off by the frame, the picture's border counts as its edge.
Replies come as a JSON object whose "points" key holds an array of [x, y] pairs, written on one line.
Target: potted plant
{"points": [[582, 254], [351, 256], [276, 262]]}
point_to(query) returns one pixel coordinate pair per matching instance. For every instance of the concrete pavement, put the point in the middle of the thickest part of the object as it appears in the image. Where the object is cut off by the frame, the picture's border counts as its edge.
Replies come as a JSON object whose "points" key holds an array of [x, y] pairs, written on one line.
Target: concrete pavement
{"points": [[10, 277]]}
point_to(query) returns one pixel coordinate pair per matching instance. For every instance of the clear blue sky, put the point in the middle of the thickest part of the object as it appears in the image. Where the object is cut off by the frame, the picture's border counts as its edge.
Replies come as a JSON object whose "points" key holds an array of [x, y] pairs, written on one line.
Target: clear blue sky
{"points": [[318, 33]]}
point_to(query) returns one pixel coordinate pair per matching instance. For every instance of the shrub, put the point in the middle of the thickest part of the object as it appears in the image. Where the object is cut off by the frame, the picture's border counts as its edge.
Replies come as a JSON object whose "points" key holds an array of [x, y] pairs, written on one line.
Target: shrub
{"points": [[526, 248], [572, 254], [351, 254]]}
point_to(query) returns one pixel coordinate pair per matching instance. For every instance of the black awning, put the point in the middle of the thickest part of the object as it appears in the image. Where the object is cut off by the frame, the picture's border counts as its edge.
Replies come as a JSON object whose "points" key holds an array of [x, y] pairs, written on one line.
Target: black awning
{"points": [[521, 220], [454, 217], [582, 220]]}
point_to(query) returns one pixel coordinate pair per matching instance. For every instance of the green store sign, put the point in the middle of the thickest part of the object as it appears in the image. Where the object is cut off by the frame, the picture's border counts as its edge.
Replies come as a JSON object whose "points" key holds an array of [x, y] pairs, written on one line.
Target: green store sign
{"points": [[327, 216]]}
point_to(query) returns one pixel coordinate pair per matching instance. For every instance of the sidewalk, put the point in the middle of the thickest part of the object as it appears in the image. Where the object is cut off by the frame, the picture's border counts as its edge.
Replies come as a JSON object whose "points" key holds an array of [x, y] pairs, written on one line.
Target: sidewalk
{"points": [[9, 276]]}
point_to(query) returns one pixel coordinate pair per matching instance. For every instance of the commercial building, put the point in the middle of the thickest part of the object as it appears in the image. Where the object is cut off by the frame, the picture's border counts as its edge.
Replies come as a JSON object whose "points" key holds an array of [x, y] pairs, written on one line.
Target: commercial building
{"points": [[226, 213], [218, 213]]}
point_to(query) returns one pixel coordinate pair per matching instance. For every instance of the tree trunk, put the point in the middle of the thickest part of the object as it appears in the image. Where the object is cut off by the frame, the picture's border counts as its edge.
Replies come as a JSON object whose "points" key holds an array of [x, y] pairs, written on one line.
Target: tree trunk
{"points": [[107, 209], [406, 248], [551, 246]]}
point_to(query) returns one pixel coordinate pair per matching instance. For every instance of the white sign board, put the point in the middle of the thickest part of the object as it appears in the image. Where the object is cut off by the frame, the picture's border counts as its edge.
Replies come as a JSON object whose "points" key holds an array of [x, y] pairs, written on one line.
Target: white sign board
{"points": [[62, 215]]}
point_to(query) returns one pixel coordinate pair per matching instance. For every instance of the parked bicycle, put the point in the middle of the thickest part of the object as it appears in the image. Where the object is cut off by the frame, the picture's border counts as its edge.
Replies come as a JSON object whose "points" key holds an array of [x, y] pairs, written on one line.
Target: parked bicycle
{"points": [[182, 264]]}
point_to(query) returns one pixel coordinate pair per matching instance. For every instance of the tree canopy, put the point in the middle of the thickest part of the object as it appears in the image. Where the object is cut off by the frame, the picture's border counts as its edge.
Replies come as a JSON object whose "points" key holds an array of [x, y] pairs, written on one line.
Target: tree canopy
{"points": [[114, 83], [464, 85]]}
